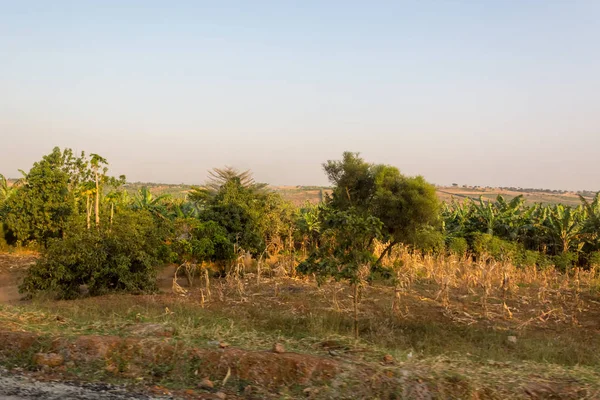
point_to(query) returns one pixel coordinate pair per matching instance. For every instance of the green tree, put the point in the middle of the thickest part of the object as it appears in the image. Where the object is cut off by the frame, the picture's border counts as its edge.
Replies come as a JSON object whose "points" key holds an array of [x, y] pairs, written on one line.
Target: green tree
{"points": [[99, 173], [40, 209], [122, 258], [219, 177], [405, 205], [346, 250]]}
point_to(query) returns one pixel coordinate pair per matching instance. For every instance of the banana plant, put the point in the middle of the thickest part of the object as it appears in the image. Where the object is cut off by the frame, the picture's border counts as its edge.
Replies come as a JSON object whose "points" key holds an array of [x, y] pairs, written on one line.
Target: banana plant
{"points": [[509, 216], [486, 215], [455, 217], [565, 225], [144, 200], [591, 226]]}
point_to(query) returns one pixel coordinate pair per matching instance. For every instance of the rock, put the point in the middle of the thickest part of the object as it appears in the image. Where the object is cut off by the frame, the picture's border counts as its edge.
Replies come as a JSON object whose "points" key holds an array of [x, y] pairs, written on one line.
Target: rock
{"points": [[48, 359], [512, 339], [223, 345], [206, 384], [388, 359], [220, 395], [278, 348]]}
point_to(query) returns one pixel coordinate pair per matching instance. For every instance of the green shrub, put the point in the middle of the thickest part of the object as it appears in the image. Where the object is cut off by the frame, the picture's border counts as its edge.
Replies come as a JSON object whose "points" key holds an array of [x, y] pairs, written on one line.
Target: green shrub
{"points": [[564, 262], [499, 249], [526, 258], [594, 259], [429, 241], [3, 244], [122, 258], [458, 245]]}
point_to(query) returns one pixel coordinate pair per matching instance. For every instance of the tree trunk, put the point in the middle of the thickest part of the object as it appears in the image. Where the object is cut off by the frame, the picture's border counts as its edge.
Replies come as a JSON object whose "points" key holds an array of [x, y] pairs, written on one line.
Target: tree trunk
{"points": [[97, 208], [88, 210], [387, 250], [112, 213], [356, 310]]}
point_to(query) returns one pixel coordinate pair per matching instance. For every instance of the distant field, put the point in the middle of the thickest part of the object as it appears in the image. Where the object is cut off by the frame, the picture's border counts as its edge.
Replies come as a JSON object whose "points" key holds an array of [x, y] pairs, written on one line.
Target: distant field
{"points": [[298, 195], [567, 198]]}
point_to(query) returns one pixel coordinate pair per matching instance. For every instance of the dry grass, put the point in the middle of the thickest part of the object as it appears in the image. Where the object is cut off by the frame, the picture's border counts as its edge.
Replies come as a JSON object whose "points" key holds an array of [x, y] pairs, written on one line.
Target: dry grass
{"points": [[447, 320]]}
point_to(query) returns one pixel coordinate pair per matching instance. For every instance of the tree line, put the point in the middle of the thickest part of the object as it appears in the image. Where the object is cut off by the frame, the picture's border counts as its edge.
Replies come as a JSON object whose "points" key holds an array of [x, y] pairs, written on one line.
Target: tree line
{"points": [[91, 232]]}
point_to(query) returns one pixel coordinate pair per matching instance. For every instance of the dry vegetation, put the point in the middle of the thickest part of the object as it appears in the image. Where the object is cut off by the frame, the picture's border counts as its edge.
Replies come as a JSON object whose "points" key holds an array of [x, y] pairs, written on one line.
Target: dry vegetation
{"points": [[449, 327]]}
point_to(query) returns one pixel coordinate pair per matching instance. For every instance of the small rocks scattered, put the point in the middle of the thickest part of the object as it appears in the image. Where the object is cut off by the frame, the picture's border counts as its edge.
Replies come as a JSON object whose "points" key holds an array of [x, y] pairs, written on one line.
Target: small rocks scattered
{"points": [[512, 339], [220, 395], [206, 384], [388, 359], [278, 348]]}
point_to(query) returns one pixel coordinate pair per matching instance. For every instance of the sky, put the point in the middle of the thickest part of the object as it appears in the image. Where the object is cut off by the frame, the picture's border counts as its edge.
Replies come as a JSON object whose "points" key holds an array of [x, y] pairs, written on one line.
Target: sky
{"points": [[491, 93]]}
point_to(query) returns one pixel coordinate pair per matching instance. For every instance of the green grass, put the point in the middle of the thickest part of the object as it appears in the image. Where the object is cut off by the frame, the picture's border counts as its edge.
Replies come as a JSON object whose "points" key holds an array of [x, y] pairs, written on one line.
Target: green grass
{"points": [[451, 357]]}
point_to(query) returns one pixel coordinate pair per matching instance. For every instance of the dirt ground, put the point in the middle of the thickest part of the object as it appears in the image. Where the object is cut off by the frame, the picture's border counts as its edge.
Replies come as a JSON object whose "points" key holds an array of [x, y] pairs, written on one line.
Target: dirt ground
{"points": [[20, 387], [12, 270]]}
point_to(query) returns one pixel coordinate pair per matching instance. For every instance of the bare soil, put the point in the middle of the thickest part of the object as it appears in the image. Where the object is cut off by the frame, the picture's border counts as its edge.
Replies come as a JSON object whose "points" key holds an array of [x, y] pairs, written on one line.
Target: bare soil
{"points": [[12, 270]]}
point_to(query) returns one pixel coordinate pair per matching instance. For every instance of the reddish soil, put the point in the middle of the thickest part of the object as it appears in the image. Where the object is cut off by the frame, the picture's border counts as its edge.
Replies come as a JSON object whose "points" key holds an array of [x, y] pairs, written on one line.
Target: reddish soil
{"points": [[12, 270]]}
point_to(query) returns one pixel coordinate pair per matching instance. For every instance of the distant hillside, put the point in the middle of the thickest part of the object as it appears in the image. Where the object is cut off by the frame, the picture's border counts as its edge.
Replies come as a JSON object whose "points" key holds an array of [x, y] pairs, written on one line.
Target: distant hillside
{"points": [[298, 195], [530, 195]]}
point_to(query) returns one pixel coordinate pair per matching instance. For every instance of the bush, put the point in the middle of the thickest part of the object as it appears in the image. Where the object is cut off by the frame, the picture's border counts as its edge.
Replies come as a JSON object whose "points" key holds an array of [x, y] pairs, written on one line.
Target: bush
{"points": [[198, 241], [458, 245], [499, 249], [526, 258], [594, 259], [3, 244], [430, 241], [564, 262], [121, 258]]}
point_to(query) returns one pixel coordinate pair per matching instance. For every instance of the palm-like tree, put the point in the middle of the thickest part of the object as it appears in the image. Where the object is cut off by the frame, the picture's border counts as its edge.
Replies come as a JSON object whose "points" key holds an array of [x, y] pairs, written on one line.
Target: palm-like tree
{"points": [[218, 177]]}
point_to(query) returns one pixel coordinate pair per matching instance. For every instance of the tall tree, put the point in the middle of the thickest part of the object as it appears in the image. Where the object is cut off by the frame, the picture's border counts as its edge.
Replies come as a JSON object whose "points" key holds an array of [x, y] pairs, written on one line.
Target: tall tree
{"points": [[40, 209], [405, 205], [99, 175]]}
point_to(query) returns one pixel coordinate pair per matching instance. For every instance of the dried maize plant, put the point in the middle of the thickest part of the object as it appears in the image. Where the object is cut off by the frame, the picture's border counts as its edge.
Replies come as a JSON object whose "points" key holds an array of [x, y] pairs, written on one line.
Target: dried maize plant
{"points": [[589, 278], [467, 274], [430, 266], [579, 305], [235, 273], [485, 280], [507, 287], [336, 289], [364, 271], [444, 278], [402, 283], [543, 289], [273, 248], [176, 288], [206, 282]]}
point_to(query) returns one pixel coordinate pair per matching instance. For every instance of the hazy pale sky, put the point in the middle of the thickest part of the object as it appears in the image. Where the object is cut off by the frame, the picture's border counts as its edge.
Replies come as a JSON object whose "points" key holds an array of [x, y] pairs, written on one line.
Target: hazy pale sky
{"points": [[500, 93]]}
